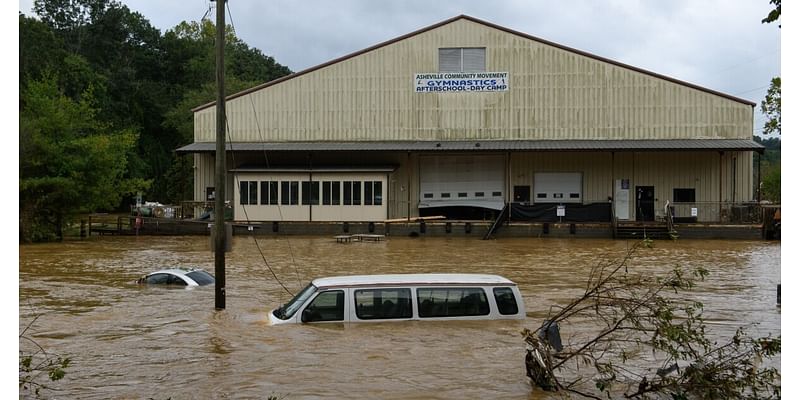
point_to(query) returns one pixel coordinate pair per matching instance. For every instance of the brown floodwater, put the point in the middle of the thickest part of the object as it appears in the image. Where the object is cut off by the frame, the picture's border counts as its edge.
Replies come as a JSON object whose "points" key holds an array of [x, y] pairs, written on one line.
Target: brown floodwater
{"points": [[127, 341]]}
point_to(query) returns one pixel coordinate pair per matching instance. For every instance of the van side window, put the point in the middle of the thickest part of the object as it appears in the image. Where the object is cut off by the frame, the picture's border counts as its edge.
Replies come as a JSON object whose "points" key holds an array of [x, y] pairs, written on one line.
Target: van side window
{"points": [[383, 303], [327, 306], [506, 303], [452, 302]]}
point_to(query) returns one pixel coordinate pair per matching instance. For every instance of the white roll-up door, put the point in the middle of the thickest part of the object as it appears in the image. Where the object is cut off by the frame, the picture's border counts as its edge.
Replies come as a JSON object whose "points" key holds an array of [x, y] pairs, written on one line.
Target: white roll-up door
{"points": [[558, 187], [475, 181]]}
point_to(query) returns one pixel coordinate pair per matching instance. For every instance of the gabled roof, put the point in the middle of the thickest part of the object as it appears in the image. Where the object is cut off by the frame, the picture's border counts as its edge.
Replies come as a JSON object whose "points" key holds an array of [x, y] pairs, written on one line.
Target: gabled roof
{"points": [[491, 25]]}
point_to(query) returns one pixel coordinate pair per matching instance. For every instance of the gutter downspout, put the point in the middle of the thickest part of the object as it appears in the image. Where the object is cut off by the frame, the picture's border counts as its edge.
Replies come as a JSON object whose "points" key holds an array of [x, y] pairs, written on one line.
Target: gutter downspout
{"points": [[758, 188], [310, 182], [509, 197], [613, 188], [408, 187], [720, 186]]}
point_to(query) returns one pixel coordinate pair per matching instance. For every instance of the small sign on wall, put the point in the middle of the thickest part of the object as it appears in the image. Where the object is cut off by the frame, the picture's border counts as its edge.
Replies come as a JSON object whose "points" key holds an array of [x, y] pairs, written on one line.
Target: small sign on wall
{"points": [[694, 211]]}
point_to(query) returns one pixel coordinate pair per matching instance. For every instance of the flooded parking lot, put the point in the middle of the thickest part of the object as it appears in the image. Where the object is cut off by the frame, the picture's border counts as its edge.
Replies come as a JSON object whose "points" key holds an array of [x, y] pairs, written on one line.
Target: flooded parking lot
{"points": [[128, 341]]}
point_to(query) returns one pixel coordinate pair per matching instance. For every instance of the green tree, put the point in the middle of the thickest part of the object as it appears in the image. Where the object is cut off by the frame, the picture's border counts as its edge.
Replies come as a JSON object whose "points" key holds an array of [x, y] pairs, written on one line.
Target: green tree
{"points": [[642, 336], [70, 162], [769, 169], [771, 185], [192, 45], [35, 362], [773, 15], [771, 107], [139, 79]]}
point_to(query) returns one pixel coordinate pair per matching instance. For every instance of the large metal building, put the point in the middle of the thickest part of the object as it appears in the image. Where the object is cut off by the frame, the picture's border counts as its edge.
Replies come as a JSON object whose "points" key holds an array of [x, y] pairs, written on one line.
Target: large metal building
{"points": [[463, 117]]}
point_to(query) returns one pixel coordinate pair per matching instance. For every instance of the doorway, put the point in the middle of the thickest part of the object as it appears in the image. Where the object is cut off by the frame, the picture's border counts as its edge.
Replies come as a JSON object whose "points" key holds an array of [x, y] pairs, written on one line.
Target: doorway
{"points": [[522, 194], [645, 203]]}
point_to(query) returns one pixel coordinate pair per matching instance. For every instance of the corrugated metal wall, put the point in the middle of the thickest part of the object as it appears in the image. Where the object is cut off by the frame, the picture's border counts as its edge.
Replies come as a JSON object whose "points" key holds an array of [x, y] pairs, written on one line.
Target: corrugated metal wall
{"points": [[203, 175], [665, 171], [554, 94]]}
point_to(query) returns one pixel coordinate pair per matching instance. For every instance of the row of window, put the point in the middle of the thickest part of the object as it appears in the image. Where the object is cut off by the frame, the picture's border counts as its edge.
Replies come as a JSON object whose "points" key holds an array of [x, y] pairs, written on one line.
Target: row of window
{"points": [[396, 303], [447, 195], [558, 195], [333, 193]]}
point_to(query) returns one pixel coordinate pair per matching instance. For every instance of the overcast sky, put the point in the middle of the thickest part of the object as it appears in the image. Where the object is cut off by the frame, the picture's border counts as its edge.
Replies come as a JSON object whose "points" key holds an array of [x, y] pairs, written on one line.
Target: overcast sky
{"points": [[718, 44]]}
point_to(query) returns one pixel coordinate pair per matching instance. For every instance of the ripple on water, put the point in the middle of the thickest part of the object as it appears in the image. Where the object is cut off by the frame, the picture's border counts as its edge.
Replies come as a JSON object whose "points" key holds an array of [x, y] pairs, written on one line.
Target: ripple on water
{"points": [[128, 341]]}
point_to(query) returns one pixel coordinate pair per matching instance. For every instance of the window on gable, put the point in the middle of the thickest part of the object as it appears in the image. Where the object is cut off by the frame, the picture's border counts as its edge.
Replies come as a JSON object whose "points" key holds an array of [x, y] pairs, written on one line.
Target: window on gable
{"points": [[462, 59]]}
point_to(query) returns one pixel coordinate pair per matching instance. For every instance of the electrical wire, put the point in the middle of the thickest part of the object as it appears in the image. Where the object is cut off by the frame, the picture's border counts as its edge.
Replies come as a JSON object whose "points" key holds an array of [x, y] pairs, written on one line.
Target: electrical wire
{"points": [[237, 184], [266, 162]]}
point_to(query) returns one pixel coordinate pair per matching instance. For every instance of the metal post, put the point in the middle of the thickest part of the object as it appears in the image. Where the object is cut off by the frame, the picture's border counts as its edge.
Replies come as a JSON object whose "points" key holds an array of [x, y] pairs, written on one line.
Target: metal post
{"points": [[758, 184], [219, 182]]}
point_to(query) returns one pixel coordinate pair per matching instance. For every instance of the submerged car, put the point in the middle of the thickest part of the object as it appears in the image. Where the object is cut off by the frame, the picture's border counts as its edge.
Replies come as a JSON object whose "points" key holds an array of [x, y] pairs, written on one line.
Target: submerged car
{"points": [[177, 277], [400, 297]]}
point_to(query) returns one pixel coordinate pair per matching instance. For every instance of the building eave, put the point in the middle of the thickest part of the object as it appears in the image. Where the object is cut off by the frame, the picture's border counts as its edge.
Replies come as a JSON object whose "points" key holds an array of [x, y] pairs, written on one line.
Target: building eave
{"points": [[488, 146]]}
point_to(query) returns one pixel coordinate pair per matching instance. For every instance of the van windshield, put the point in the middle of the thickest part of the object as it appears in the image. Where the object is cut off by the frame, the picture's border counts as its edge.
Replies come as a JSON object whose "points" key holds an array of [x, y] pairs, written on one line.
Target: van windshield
{"points": [[288, 310]]}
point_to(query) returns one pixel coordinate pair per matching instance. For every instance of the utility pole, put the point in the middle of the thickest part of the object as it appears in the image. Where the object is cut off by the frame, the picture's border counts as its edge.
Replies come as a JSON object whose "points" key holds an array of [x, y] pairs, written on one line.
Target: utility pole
{"points": [[220, 181]]}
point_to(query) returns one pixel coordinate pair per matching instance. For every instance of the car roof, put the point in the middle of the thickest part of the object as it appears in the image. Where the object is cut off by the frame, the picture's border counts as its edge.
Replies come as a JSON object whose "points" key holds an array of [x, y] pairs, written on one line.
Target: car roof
{"points": [[411, 280], [174, 271]]}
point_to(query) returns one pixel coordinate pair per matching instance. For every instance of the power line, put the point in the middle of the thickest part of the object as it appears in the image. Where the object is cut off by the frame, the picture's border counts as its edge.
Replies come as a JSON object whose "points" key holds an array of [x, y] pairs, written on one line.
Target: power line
{"points": [[238, 185], [266, 160], [746, 62], [230, 16], [752, 90]]}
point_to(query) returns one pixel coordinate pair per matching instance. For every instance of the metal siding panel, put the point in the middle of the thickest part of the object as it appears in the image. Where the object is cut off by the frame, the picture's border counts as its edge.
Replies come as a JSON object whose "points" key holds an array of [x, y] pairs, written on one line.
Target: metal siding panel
{"points": [[203, 175], [554, 94]]}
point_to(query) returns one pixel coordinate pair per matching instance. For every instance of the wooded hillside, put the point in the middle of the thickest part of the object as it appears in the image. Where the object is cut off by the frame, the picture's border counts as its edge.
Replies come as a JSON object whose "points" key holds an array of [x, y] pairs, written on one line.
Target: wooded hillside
{"points": [[105, 99]]}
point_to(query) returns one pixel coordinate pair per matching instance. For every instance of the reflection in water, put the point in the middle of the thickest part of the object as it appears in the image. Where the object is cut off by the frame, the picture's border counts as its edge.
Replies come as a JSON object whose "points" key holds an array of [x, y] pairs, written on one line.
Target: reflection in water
{"points": [[128, 341]]}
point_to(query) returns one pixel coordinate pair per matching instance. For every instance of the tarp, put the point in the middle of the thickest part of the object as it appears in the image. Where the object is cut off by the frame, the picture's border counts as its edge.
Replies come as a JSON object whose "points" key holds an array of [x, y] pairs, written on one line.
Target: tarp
{"points": [[595, 212]]}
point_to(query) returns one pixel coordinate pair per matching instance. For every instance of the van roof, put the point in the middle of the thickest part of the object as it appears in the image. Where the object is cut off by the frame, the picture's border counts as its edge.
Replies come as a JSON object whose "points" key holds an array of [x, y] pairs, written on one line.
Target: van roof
{"points": [[411, 280]]}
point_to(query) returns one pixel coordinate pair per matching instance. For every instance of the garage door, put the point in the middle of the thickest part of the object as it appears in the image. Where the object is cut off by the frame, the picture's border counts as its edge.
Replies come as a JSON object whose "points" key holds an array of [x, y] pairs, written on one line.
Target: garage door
{"points": [[558, 187], [472, 181]]}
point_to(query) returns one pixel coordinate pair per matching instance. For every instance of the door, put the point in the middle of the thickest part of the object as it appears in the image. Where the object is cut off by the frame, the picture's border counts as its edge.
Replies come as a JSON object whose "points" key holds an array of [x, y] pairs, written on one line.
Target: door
{"points": [[522, 194], [328, 306], [462, 181], [645, 203], [622, 199]]}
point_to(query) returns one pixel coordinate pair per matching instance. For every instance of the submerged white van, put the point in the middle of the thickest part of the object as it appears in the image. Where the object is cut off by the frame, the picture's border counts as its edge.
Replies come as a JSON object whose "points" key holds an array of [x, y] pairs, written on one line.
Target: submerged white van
{"points": [[401, 297]]}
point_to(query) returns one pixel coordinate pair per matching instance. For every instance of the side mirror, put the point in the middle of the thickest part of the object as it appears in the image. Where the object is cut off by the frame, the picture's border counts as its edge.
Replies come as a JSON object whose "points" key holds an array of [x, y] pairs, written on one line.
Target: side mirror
{"points": [[306, 316]]}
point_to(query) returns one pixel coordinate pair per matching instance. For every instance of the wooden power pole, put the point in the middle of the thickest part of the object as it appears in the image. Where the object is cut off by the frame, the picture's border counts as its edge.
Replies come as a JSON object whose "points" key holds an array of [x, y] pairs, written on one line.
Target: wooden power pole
{"points": [[220, 181]]}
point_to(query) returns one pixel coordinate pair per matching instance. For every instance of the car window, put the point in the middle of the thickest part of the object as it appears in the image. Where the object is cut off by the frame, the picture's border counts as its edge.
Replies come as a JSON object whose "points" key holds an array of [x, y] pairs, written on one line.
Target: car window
{"points": [[506, 302], [158, 279], [175, 280], [201, 277], [327, 306], [287, 311], [452, 302], [383, 303]]}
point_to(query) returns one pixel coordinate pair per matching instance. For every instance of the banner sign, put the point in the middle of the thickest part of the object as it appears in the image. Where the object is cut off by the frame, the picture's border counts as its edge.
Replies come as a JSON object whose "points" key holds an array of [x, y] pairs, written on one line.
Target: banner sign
{"points": [[461, 82]]}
